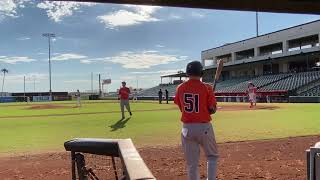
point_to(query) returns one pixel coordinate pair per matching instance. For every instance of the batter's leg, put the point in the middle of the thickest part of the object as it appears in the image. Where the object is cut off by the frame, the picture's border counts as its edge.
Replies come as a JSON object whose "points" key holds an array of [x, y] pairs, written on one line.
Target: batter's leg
{"points": [[191, 152], [210, 148]]}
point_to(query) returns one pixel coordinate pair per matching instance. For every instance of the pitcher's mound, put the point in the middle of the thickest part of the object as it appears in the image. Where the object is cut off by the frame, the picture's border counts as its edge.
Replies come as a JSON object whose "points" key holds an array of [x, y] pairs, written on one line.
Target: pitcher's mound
{"points": [[49, 106], [242, 107]]}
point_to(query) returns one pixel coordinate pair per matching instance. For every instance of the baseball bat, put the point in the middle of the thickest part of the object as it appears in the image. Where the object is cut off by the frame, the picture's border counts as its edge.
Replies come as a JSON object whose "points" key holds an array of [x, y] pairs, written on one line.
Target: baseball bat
{"points": [[218, 73]]}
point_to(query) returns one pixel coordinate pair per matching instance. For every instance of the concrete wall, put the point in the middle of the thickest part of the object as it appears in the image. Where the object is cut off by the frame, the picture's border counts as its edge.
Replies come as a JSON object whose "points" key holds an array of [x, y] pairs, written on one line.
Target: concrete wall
{"points": [[283, 36]]}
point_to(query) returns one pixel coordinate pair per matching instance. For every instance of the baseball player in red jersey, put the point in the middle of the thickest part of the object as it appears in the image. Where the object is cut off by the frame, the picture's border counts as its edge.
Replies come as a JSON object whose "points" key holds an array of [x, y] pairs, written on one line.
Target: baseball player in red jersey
{"points": [[252, 94], [124, 93], [197, 102]]}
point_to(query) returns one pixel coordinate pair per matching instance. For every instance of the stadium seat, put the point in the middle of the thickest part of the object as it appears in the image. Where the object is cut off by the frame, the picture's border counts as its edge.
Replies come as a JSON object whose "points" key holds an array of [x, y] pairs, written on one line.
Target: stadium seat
{"points": [[265, 83]]}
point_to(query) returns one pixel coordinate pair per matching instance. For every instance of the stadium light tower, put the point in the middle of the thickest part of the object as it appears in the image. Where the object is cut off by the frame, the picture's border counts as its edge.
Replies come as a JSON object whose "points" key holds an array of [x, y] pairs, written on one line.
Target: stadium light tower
{"points": [[257, 23], [49, 36]]}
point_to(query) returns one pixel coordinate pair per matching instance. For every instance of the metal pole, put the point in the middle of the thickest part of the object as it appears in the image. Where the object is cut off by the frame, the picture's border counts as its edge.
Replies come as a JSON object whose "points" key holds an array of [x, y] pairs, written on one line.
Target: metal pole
{"points": [[4, 75], [50, 92], [100, 85], [49, 36], [307, 62], [257, 23], [24, 88], [34, 84], [137, 82], [91, 82]]}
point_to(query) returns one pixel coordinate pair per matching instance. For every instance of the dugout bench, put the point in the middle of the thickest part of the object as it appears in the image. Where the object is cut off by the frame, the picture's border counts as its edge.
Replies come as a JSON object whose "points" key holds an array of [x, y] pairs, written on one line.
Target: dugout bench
{"points": [[313, 162], [133, 165]]}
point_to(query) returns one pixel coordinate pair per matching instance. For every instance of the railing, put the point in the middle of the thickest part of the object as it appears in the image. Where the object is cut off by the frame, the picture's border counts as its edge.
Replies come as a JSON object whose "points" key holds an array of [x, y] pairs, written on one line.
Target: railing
{"points": [[133, 166]]}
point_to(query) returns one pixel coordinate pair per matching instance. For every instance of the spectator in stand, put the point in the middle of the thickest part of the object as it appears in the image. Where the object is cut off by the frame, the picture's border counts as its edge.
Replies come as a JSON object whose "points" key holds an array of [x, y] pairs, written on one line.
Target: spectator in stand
{"points": [[167, 96], [160, 96]]}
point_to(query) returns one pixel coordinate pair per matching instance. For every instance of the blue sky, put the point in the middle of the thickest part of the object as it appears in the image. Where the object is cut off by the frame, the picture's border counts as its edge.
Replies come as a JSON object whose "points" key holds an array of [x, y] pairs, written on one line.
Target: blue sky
{"points": [[122, 42]]}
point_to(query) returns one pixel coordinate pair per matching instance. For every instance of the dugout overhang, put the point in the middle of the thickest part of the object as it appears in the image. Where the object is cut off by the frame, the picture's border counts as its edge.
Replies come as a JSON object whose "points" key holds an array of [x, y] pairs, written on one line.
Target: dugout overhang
{"points": [[179, 75], [301, 55], [279, 6]]}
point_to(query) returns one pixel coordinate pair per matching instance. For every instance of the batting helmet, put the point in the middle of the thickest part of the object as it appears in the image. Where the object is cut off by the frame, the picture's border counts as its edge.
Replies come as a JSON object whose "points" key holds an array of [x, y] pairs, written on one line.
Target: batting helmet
{"points": [[194, 68]]}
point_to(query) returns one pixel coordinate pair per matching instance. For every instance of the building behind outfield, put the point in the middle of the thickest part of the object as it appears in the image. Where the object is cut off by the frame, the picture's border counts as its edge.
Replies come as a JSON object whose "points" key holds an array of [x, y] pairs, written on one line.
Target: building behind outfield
{"points": [[284, 65], [294, 49]]}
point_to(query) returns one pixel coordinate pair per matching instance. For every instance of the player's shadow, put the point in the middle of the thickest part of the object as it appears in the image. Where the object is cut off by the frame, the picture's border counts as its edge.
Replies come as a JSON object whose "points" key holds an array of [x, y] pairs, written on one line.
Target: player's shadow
{"points": [[119, 124]]}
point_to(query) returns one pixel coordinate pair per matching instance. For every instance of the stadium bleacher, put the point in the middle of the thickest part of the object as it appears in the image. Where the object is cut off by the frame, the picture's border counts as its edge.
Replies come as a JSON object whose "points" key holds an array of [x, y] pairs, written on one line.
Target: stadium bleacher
{"points": [[266, 83], [315, 91], [259, 81], [154, 90], [293, 82]]}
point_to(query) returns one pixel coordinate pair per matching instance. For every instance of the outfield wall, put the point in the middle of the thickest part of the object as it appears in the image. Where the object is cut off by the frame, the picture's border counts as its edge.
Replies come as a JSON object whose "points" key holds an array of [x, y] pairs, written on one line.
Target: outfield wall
{"points": [[304, 99]]}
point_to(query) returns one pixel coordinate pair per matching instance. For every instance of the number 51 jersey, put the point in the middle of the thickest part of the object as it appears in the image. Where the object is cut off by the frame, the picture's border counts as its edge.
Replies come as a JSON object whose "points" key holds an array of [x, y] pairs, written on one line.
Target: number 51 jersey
{"points": [[194, 99]]}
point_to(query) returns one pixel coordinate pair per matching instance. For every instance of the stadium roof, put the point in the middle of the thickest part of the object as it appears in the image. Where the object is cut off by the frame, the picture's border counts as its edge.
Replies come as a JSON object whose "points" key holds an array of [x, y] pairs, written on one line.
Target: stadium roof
{"points": [[316, 21], [280, 6], [182, 74]]}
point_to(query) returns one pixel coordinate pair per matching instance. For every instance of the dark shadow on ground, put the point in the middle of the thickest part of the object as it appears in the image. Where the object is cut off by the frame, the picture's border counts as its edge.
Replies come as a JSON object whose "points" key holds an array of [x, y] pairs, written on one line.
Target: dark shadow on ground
{"points": [[120, 124]]}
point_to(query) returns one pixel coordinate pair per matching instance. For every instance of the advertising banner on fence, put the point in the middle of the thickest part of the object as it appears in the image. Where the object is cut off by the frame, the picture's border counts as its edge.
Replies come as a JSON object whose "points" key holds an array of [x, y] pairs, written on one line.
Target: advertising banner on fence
{"points": [[7, 99], [41, 98]]}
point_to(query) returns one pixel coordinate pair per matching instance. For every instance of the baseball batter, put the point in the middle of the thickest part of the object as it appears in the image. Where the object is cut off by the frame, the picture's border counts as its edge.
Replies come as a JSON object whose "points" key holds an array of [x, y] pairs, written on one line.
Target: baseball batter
{"points": [[78, 96], [124, 93], [252, 94], [197, 102]]}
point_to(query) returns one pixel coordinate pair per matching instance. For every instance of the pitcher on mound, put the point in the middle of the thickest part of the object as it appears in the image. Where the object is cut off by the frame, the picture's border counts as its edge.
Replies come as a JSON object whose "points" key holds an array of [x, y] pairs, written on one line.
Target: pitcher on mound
{"points": [[252, 94]]}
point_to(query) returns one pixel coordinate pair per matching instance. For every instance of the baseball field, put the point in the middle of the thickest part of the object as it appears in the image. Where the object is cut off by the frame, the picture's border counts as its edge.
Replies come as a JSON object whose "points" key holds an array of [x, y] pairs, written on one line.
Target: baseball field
{"points": [[267, 142]]}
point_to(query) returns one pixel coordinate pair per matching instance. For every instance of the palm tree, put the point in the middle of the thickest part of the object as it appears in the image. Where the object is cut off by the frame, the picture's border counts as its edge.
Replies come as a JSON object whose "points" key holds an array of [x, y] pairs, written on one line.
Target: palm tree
{"points": [[4, 70]]}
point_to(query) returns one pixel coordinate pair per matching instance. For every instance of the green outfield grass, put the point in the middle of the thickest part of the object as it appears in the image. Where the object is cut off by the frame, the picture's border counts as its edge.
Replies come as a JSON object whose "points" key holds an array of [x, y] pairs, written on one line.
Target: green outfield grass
{"points": [[160, 127]]}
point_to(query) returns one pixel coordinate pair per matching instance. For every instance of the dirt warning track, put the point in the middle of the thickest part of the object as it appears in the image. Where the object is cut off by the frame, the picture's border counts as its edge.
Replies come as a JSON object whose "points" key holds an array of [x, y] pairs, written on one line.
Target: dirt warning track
{"points": [[280, 159]]}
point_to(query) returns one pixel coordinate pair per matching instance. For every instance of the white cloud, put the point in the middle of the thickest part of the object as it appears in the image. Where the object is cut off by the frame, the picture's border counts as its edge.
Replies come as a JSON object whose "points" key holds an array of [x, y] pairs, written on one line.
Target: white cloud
{"points": [[174, 16], [23, 38], [30, 77], [131, 60], [85, 61], [8, 8], [58, 10], [133, 16], [197, 15], [77, 81], [143, 9], [159, 46], [144, 59], [68, 56], [15, 59]]}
